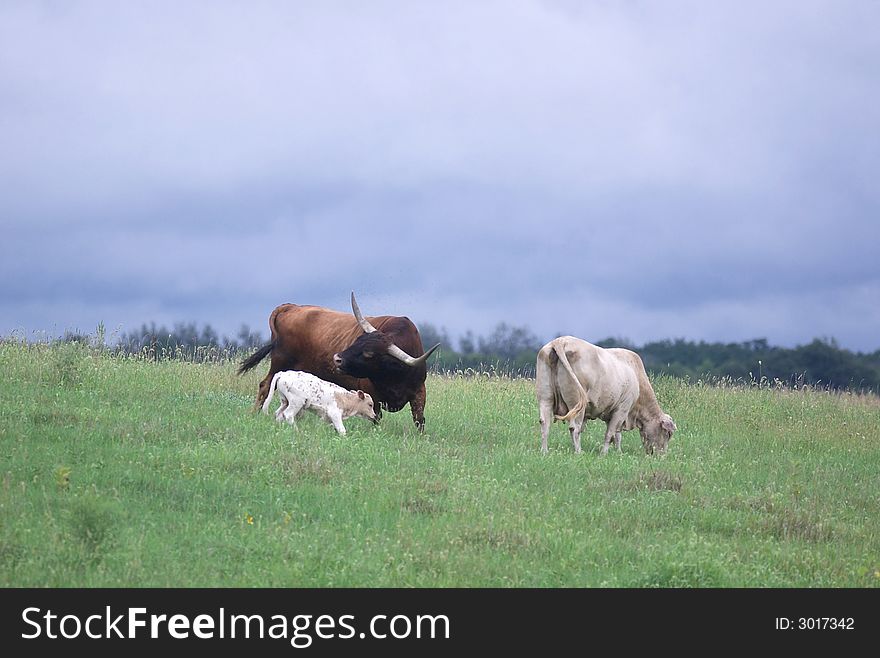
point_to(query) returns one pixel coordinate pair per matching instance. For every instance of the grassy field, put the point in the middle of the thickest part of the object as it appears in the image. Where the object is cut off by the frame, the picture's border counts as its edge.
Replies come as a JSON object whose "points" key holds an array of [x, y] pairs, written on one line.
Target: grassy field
{"points": [[124, 472]]}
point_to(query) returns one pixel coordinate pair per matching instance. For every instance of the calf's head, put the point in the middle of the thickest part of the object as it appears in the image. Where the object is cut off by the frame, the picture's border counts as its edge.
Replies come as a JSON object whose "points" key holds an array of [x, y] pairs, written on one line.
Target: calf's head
{"points": [[656, 433], [358, 403]]}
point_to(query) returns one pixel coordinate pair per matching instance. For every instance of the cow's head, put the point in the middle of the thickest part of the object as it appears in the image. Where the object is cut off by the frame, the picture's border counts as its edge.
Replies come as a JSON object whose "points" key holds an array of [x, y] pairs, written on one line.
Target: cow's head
{"points": [[374, 353], [656, 433]]}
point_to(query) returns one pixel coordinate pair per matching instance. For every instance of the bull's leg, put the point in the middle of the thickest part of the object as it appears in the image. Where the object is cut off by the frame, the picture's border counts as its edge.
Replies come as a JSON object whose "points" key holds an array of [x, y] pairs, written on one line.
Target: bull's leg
{"points": [[263, 390], [277, 364], [417, 405], [545, 415]]}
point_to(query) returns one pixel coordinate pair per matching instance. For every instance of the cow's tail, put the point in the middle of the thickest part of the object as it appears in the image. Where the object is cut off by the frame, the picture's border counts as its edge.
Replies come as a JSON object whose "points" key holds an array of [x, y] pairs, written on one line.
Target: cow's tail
{"points": [[271, 393], [256, 357], [581, 404]]}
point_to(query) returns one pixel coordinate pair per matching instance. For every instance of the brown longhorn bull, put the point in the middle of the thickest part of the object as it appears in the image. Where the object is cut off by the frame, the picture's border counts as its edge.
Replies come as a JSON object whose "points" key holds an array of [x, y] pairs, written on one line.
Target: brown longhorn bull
{"points": [[381, 355]]}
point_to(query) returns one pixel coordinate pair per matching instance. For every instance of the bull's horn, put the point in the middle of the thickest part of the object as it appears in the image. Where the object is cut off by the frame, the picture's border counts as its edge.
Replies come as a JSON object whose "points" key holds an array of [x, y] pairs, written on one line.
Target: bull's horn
{"points": [[366, 326], [398, 353]]}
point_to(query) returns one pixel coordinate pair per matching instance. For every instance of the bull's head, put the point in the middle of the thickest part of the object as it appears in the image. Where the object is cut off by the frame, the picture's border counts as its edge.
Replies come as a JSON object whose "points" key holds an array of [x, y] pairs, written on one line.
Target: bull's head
{"points": [[374, 353], [656, 433]]}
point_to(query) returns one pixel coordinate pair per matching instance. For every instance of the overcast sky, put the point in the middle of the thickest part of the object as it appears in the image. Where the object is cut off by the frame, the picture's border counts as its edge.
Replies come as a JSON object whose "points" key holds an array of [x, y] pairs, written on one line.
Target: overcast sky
{"points": [[646, 170]]}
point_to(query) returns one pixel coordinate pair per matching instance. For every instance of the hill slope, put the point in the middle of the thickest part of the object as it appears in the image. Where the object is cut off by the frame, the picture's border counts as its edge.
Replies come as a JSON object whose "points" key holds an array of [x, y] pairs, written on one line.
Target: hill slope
{"points": [[124, 472]]}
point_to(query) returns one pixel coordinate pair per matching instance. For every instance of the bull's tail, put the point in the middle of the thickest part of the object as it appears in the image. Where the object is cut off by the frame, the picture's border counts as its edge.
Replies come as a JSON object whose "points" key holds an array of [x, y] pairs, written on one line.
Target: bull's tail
{"points": [[271, 393], [581, 404], [256, 357]]}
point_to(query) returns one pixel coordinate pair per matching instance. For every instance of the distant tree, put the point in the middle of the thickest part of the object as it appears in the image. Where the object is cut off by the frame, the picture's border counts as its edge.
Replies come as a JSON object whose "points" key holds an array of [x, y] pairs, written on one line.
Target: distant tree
{"points": [[244, 340], [615, 342], [509, 342], [137, 339], [75, 337], [208, 337], [431, 335], [466, 343], [183, 335], [823, 361]]}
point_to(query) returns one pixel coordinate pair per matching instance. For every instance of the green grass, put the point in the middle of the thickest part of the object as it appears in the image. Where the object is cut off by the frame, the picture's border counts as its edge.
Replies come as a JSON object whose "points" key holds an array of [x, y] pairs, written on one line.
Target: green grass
{"points": [[124, 472]]}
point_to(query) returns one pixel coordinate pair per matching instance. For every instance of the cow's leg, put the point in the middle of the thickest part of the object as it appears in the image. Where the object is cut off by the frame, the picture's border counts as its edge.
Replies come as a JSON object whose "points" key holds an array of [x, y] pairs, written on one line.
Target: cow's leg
{"points": [[612, 431], [417, 405], [575, 425], [545, 416], [546, 393], [617, 441]]}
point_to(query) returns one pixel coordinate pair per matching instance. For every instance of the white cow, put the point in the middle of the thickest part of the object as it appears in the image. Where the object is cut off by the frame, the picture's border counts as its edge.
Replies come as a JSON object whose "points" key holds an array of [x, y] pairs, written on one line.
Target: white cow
{"points": [[302, 390], [578, 381]]}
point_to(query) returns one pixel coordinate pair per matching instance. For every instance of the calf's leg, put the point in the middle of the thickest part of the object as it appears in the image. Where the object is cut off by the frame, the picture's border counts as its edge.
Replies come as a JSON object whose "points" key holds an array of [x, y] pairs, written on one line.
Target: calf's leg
{"points": [[279, 413], [335, 417], [294, 409], [276, 364]]}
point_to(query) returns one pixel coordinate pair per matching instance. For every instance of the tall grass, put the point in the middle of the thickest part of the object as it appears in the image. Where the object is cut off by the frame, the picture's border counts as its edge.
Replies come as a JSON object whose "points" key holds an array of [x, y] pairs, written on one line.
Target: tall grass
{"points": [[144, 470]]}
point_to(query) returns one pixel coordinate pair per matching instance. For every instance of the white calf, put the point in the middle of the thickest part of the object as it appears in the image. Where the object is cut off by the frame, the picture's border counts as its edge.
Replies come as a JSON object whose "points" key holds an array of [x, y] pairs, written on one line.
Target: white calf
{"points": [[302, 390]]}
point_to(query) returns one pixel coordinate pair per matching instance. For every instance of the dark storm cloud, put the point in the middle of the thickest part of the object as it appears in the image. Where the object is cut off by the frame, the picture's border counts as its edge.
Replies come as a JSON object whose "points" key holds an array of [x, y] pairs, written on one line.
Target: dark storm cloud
{"points": [[633, 169]]}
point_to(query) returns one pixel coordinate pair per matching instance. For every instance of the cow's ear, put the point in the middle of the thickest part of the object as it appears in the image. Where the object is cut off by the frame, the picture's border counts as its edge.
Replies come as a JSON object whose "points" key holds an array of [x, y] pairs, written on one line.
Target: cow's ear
{"points": [[361, 395], [668, 424]]}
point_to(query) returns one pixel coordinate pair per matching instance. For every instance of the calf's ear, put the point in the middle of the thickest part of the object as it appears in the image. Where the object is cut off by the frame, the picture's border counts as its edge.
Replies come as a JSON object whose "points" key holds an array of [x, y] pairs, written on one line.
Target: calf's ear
{"points": [[361, 394]]}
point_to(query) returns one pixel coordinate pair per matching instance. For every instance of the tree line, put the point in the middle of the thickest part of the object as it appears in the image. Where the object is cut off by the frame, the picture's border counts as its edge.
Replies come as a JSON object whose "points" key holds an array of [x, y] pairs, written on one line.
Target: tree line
{"points": [[187, 337], [511, 350], [822, 362]]}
